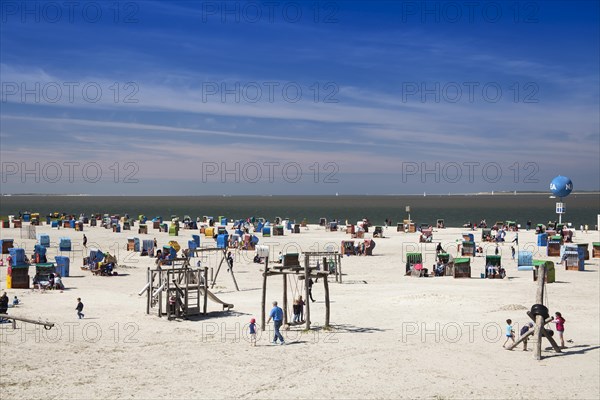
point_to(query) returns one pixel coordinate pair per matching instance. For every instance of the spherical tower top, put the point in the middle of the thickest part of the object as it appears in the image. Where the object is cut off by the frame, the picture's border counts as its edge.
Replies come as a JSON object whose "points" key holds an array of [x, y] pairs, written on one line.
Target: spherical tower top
{"points": [[561, 186]]}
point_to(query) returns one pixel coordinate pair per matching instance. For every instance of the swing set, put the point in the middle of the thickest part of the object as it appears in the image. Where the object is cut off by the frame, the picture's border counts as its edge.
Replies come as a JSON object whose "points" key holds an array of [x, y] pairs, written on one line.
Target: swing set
{"points": [[292, 273]]}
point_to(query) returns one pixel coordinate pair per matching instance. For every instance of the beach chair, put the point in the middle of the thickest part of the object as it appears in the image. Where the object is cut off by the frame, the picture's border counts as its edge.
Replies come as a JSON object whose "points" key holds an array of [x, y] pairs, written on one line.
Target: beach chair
{"points": [[378, 232], [413, 259], [550, 271]]}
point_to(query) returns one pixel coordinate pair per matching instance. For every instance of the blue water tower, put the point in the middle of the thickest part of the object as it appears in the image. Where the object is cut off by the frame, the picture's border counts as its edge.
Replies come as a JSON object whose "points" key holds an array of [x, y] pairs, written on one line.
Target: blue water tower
{"points": [[561, 186]]}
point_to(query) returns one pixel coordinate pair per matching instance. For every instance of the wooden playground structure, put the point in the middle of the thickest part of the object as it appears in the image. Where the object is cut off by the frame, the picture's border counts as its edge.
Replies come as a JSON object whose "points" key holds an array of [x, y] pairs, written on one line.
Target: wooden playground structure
{"points": [[47, 325], [292, 268], [178, 290], [540, 315], [327, 261]]}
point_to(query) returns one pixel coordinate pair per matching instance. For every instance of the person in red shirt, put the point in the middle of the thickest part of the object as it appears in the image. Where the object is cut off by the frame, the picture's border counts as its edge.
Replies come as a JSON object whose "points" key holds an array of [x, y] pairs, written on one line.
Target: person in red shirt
{"points": [[560, 327]]}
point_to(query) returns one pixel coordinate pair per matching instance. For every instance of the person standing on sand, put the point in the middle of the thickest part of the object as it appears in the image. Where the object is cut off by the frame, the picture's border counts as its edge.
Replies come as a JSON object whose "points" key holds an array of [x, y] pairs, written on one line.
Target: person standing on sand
{"points": [[276, 315], [296, 309], [84, 241], [79, 308], [560, 327], [301, 304], [252, 328], [512, 250], [510, 333], [4, 303], [439, 248]]}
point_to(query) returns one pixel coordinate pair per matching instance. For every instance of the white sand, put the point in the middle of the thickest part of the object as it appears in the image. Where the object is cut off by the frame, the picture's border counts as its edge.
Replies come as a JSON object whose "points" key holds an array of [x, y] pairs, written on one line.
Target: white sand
{"points": [[376, 349]]}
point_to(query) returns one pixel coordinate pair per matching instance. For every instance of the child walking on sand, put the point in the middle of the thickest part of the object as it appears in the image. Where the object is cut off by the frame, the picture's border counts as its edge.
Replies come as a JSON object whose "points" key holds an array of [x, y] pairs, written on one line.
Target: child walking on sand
{"points": [[560, 327], [510, 333], [79, 308], [252, 332]]}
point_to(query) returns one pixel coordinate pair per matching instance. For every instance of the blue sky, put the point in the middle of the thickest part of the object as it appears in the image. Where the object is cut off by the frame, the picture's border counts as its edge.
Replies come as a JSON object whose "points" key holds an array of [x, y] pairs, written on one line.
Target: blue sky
{"points": [[298, 97]]}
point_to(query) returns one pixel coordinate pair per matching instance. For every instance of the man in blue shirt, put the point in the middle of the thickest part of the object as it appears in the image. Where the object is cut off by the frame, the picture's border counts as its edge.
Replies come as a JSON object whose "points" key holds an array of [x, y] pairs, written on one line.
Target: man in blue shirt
{"points": [[277, 315]]}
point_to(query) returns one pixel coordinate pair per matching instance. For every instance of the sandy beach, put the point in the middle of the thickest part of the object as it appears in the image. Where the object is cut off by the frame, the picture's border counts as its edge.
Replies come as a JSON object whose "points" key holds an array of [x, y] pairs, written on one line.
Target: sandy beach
{"points": [[392, 336]]}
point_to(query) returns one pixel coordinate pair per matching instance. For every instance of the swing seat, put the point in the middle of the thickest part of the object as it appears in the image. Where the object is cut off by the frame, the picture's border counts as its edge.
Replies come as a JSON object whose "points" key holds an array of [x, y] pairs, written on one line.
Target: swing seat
{"points": [[289, 324]]}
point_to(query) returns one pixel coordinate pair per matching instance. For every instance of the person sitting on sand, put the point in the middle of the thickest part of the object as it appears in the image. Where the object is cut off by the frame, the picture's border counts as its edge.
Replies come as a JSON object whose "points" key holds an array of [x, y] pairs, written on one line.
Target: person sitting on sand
{"points": [[37, 283], [491, 270], [159, 257], [15, 301], [439, 269], [523, 331], [501, 272], [58, 283]]}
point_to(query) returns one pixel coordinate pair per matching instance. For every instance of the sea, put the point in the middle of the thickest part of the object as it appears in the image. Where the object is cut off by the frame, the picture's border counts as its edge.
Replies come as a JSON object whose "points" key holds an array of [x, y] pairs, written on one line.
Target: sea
{"points": [[455, 210]]}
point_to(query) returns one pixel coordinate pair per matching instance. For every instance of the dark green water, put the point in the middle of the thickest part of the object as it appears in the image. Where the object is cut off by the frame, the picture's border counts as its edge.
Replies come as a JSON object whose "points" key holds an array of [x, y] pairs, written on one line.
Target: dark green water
{"points": [[455, 210]]}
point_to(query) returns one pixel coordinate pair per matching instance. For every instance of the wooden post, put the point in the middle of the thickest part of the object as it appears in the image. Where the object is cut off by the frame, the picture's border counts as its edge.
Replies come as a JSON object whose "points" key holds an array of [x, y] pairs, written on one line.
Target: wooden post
{"points": [[47, 324], [306, 296], [212, 275], [285, 300], [150, 290], [539, 320], [339, 264], [205, 290], [326, 287], [526, 335], [218, 269], [546, 333], [160, 278], [186, 296], [334, 260], [234, 281], [199, 277], [264, 296]]}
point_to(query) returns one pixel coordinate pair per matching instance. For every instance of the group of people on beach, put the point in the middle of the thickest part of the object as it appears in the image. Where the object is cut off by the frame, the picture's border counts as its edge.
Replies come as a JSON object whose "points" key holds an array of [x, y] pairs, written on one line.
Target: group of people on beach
{"points": [[54, 282], [276, 314], [558, 320]]}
